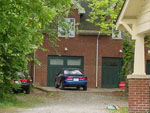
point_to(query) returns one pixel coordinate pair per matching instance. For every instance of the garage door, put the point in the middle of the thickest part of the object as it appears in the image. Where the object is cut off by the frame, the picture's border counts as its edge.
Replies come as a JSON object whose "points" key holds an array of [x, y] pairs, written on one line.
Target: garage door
{"points": [[148, 67], [111, 68], [56, 63]]}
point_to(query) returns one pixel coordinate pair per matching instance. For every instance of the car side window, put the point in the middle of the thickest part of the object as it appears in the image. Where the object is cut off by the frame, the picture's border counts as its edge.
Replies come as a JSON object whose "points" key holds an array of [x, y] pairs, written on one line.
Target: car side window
{"points": [[62, 72]]}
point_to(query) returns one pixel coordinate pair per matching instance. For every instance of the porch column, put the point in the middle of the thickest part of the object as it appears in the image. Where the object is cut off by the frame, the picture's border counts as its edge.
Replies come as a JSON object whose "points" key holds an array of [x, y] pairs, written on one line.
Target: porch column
{"points": [[139, 83], [139, 56]]}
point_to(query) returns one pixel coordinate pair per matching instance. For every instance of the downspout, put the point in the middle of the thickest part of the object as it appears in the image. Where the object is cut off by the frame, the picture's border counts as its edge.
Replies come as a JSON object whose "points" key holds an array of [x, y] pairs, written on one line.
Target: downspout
{"points": [[34, 70], [97, 53]]}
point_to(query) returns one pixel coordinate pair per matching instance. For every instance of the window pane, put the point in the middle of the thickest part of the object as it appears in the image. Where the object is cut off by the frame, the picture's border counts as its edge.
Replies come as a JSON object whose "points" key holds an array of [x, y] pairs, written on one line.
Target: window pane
{"points": [[56, 62], [69, 30], [74, 62], [73, 72]]}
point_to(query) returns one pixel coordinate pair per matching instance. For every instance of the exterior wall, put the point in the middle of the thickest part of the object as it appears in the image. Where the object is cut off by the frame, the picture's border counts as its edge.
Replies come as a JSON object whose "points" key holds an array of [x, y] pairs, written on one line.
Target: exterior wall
{"points": [[139, 95], [79, 46], [143, 20], [108, 47]]}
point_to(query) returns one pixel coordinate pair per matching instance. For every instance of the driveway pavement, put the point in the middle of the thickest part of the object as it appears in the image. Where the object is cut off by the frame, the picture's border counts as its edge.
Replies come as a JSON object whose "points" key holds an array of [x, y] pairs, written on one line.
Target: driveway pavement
{"points": [[75, 101]]}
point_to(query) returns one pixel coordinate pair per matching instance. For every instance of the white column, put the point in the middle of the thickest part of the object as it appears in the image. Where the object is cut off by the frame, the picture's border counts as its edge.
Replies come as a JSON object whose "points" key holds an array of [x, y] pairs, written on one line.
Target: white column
{"points": [[139, 56]]}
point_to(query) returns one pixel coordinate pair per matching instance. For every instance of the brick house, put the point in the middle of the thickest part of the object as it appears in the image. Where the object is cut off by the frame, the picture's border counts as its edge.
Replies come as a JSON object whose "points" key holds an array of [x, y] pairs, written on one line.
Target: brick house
{"points": [[100, 57]]}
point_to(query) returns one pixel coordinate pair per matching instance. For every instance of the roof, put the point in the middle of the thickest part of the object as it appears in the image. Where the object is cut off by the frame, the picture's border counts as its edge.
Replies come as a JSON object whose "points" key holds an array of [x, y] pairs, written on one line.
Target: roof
{"points": [[84, 24], [130, 10], [121, 10]]}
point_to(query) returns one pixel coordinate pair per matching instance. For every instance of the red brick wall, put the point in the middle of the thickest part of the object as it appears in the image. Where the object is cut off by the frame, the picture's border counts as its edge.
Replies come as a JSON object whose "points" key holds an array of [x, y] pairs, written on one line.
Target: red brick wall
{"points": [[108, 47], [79, 46], [139, 95]]}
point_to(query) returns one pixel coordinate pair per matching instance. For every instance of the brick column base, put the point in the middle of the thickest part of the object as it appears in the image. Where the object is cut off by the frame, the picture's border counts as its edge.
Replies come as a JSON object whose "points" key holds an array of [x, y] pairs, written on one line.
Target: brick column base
{"points": [[139, 95]]}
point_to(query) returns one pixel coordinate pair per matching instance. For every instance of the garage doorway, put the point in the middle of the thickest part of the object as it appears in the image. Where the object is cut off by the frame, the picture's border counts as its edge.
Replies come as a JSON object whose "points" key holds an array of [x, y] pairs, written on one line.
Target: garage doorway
{"points": [[111, 68], [56, 63]]}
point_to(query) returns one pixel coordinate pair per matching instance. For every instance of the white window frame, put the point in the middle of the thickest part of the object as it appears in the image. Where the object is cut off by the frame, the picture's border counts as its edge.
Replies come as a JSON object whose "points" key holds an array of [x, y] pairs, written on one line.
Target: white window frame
{"points": [[73, 27], [119, 35]]}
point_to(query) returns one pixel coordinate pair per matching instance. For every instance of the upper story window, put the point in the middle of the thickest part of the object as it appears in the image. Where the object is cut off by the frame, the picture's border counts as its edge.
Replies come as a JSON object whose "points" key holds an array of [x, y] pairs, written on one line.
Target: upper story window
{"points": [[116, 34], [67, 29]]}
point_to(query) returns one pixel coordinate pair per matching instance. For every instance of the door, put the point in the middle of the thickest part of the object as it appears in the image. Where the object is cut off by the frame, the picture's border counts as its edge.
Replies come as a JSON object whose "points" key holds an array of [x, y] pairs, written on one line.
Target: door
{"points": [[111, 68], [57, 63], [148, 67]]}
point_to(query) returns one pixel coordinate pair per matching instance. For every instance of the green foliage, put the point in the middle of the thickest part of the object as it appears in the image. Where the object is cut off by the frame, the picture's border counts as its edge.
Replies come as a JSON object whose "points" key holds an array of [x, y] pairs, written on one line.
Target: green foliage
{"points": [[128, 59], [21, 100], [12, 102], [147, 42], [104, 13], [20, 36]]}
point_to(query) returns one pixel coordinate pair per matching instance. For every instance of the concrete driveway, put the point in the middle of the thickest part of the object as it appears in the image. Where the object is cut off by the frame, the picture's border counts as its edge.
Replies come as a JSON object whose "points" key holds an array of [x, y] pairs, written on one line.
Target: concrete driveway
{"points": [[78, 101]]}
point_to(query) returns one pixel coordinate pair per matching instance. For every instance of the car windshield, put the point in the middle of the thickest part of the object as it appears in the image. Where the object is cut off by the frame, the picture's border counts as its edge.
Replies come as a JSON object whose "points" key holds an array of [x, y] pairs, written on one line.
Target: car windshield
{"points": [[73, 72], [21, 75]]}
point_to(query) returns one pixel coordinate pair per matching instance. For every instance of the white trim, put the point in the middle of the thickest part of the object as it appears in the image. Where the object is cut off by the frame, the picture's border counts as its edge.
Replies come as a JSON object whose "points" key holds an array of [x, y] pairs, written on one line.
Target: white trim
{"points": [[138, 76], [97, 58], [129, 21], [127, 27], [118, 36], [122, 14]]}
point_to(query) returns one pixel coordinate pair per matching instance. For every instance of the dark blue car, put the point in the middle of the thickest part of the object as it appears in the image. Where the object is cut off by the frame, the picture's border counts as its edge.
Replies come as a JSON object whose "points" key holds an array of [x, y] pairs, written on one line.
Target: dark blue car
{"points": [[71, 77]]}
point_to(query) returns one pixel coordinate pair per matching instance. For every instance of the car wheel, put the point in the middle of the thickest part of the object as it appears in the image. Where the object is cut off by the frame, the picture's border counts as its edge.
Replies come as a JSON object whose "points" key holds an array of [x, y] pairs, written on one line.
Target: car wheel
{"points": [[56, 85], [84, 88], [61, 86], [78, 87], [27, 91]]}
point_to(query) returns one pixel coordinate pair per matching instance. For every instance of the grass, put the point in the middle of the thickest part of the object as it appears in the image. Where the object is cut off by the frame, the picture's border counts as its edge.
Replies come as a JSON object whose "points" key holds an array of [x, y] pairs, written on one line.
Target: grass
{"points": [[11, 105], [24, 100], [11, 102], [122, 110]]}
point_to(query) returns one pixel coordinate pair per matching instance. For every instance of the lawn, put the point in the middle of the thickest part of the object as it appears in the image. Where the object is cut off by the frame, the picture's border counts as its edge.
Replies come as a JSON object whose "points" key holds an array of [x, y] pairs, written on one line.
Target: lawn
{"points": [[21, 100]]}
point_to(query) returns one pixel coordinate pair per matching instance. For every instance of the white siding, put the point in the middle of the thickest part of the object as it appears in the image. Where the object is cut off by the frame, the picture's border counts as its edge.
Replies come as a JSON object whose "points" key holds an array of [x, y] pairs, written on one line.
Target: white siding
{"points": [[144, 18]]}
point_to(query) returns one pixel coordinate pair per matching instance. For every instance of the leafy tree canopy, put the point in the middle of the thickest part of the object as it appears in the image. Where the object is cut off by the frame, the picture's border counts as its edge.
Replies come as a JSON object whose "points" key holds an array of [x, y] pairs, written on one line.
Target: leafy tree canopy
{"points": [[104, 14], [20, 24]]}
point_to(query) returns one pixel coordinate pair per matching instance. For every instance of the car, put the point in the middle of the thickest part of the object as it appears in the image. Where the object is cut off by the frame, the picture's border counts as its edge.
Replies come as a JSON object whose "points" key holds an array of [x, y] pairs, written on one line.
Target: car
{"points": [[71, 77], [23, 81]]}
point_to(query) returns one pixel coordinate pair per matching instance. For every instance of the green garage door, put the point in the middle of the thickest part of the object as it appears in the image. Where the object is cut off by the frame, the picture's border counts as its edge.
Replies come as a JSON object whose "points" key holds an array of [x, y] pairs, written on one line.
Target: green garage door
{"points": [[56, 63], [148, 67], [111, 72]]}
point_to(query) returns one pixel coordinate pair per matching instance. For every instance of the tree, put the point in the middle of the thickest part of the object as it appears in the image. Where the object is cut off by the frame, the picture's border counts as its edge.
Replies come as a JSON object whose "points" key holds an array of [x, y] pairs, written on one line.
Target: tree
{"points": [[104, 14], [20, 33]]}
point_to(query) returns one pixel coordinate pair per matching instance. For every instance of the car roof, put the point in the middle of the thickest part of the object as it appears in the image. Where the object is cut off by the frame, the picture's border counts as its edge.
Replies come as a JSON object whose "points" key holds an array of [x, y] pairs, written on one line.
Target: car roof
{"points": [[71, 68]]}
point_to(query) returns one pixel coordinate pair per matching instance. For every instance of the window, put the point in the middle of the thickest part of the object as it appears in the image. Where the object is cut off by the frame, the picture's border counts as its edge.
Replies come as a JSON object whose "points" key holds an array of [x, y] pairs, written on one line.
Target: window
{"points": [[116, 34], [73, 72], [76, 62], [69, 30], [56, 62]]}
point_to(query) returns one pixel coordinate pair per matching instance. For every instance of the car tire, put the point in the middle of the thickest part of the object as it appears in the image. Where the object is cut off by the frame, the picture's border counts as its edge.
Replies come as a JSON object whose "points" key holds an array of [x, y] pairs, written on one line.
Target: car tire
{"points": [[61, 85], [84, 88], [78, 88], [27, 91], [56, 85]]}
